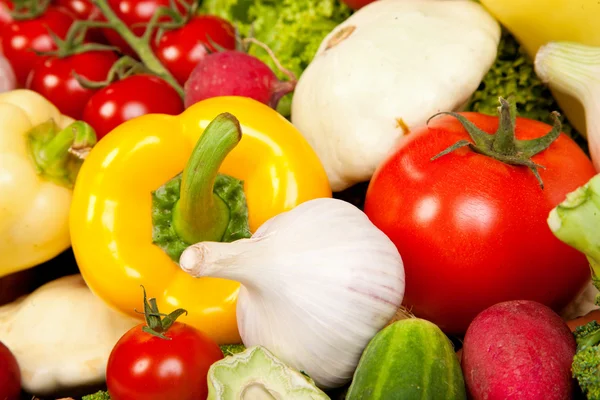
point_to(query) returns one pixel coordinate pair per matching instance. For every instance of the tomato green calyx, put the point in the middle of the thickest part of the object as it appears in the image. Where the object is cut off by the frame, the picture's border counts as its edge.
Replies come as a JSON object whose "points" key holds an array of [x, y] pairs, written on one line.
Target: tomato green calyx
{"points": [[124, 67], [58, 155], [157, 323], [503, 145], [177, 19], [29, 9], [74, 43], [200, 204]]}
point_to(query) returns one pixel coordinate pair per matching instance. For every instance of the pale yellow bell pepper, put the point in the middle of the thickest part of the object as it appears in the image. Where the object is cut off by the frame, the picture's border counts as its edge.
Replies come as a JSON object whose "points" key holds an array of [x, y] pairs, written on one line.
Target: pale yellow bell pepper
{"points": [[39, 158], [537, 22]]}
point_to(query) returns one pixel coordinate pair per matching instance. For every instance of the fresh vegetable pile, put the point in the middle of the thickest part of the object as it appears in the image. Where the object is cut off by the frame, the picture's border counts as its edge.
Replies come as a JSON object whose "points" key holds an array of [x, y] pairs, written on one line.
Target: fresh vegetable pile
{"points": [[299, 199]]}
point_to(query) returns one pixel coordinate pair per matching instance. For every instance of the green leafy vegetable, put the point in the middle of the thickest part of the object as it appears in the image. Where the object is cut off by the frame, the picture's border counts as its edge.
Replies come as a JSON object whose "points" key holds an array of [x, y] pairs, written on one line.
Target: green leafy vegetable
{"points": [[232, 349], [586, 363], [293, 29], [513, 75], [97, 396]]}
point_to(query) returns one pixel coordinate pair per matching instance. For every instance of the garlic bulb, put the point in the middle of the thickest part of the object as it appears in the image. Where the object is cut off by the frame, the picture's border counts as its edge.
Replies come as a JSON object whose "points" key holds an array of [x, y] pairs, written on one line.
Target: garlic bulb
{"points": [[318, 282], [386, 70]]}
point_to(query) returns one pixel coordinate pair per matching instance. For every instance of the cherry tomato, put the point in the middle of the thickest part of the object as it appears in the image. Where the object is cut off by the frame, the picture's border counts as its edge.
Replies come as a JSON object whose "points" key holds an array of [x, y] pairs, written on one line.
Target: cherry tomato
{"points": [[134, 12], [145, 367], [54, 79], [129, 98], [19, 39], [10, 375], [471, 230], [180, 50], [6, 7], [81, 9], [357, 4]]}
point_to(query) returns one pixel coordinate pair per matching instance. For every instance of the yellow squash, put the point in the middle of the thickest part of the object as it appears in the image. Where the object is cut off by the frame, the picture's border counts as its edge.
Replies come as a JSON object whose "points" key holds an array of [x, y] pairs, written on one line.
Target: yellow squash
{"points": [[115, 219], [537, 22], [37, 169]]}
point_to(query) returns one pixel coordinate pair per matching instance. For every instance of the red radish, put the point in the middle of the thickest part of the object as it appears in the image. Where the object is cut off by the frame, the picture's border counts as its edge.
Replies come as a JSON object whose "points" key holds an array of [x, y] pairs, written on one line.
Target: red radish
{"points": [[234, 73], [357, 4], [518, 350]]}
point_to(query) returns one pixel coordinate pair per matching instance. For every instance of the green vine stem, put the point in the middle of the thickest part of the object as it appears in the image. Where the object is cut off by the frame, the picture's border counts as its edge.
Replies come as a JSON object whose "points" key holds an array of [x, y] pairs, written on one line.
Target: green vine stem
{"points": [[140, 44]]}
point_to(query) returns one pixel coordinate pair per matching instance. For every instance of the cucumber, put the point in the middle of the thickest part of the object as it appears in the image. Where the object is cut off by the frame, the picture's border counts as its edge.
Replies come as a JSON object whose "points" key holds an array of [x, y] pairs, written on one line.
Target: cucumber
{"points": [[409, 359]]}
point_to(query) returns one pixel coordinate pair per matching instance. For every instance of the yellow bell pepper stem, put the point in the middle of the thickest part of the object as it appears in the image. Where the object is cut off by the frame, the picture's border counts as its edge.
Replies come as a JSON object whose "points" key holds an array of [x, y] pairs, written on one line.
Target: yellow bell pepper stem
{"points": [[57, 156], [201, 215]]}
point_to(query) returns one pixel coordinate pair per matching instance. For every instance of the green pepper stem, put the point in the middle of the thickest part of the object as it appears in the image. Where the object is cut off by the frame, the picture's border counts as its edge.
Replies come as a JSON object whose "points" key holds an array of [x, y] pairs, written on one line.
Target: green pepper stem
{"points": [[200, 215], [58, 156], [141, 45]]}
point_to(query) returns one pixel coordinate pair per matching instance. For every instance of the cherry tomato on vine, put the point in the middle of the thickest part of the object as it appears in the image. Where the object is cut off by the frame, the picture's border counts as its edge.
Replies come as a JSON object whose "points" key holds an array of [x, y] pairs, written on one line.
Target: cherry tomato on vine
{"points": [[135, 12], [129, 98], [181, 49], [54, 79], [10, 375], [472, 230], [20, 39]]}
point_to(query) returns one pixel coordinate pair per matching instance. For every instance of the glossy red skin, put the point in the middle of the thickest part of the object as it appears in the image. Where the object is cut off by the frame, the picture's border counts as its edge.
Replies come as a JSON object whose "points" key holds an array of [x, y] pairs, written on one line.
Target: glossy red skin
{"points": [[19, 38], [145, 367], [81, 9], [10, 375], [518, 350], [5, 7], [472, 231], [54, 79], [180, 50], [357, 4], [129, 98], [133, 12]]}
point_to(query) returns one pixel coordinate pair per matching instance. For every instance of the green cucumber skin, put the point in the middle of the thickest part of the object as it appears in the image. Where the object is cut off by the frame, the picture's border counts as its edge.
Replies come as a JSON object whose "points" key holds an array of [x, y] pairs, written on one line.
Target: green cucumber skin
{"points": [[410, 359]]}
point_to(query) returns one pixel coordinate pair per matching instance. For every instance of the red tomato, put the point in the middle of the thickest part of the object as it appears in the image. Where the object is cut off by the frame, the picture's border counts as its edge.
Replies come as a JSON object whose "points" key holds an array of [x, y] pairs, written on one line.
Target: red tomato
{"points": [[81, 9], [10, 375], [129, 98], [54, 79], [356, 4], [133, 12], [180, 50], [5, 7], [145, 367], [18, 39], [471, 230]]}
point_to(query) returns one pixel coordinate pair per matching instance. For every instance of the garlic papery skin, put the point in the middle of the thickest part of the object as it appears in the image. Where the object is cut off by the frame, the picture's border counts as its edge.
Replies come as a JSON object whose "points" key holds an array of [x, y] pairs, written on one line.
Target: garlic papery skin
{"points": [[317, 283], [385, 71]]}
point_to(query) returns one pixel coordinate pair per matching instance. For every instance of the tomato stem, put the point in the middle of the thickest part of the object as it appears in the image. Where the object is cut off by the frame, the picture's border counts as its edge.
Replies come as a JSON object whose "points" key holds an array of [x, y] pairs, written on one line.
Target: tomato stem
{"points": [[200, 215], [503, 145], [141, 45], [58, 155], [157, 324], [29, 9], [74, 43]]}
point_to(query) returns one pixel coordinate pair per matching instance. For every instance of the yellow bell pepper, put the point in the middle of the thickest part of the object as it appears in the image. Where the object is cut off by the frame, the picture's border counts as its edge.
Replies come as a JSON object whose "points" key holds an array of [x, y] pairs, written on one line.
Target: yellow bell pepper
{"points": [[131, 218], [537, 22], [37, 169]]}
